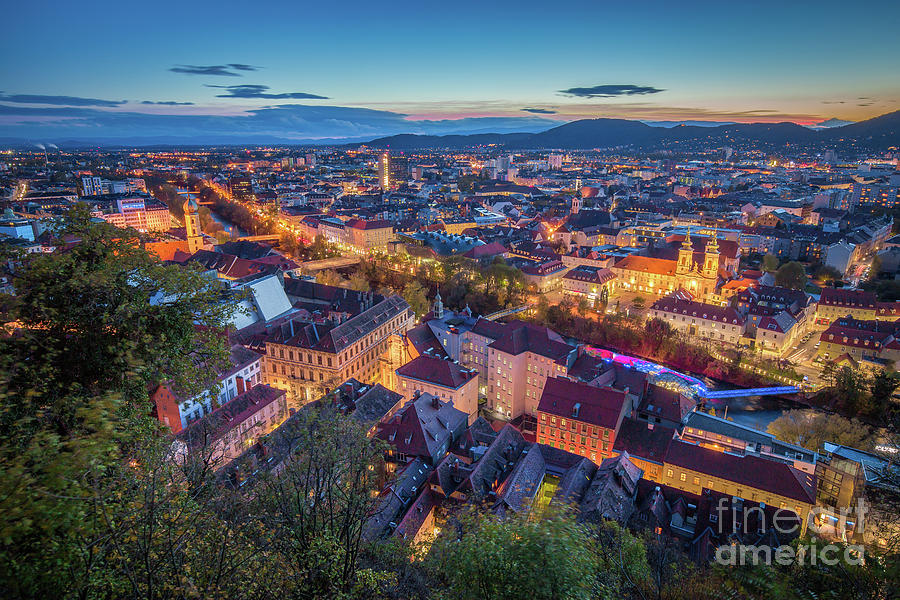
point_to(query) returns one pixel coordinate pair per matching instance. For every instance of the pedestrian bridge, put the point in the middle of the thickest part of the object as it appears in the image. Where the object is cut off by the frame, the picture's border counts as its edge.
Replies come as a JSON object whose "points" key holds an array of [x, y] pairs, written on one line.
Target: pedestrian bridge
{"points": [[682, 382], [766, 391], [339, 262], [506, 312]]}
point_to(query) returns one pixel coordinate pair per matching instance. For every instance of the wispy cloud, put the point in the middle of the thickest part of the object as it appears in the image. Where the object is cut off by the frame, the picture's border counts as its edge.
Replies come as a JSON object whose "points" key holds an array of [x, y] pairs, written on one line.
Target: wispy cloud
{"points": [[610, 91], [539, 111], [57, 100], [167, 103], [229, 70], [259, 91]]}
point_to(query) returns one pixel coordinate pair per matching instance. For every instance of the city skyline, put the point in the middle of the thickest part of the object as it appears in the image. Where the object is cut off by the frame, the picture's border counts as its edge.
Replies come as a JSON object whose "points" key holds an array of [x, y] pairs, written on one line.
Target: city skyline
{"points": [[308, 73]]}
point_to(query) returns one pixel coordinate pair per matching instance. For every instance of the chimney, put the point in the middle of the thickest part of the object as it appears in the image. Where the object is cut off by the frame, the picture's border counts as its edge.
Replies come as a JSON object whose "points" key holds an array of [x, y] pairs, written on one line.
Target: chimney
{"points": [[435, 402]]}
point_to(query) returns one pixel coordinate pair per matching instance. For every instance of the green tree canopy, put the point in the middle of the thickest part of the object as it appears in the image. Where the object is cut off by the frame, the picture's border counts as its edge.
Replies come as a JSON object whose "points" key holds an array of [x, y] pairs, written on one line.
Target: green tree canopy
{"points": [[791, 275]]}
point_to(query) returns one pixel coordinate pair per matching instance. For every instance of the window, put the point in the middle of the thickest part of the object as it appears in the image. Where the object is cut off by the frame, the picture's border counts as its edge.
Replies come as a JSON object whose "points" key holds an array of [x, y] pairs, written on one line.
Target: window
{"points": [[683, 476], [669, 473]]}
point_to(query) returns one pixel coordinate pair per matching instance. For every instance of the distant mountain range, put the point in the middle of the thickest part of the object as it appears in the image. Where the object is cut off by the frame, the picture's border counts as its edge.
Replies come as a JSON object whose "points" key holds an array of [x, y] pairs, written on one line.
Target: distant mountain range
{"points": [[878, 133]]}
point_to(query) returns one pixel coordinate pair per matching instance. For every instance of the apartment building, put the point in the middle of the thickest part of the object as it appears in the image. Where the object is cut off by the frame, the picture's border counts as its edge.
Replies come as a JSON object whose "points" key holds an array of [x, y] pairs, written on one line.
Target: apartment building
{"points": [[693, 468], [519, 363], [225, 433], [593, 283], [581, 418], [697, 319], [177, 412], [308, 356], [442, 378]]}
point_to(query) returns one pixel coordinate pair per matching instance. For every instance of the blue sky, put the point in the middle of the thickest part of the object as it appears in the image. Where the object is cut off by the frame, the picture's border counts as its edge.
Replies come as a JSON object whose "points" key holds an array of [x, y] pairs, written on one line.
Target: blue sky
{"points": [[300, 70]]}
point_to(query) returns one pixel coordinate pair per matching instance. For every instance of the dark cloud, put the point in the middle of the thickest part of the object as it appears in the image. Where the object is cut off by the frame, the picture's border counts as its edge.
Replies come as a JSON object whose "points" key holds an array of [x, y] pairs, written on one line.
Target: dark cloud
{"points": [[610, 91], [539, 111], [57, 100], [259, 91], [215, 70], [834, 102], [167, 103]]}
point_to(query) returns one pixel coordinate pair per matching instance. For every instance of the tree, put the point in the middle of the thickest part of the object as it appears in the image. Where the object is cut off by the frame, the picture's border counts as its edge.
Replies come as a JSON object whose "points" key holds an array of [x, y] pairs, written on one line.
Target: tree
{"points": [[321, 249], [791, 275], [330, 277], [827, 274], [882, 388], [875, 268], [770, 263], [359, 281], [288, 243], [98, 324], [314, 512], [810, 429], [414, 294], [583, 306], [523, 555], [638, 302]]}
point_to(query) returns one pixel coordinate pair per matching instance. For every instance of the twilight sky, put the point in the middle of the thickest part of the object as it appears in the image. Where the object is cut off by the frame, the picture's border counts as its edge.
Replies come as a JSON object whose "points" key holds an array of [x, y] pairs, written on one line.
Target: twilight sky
{"points": [[229, 71]]}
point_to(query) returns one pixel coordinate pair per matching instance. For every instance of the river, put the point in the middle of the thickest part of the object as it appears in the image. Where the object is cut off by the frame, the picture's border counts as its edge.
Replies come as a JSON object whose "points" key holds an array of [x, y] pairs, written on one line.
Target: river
{"points": [[230, 228]]}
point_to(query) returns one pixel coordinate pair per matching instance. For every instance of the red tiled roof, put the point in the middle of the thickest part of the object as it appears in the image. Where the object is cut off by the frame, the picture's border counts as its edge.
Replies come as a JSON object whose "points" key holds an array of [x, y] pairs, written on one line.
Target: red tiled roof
{"points": [[488, 328], [520, 337], [645, 264], [644, 440], [491, 249], [596, 406], [436, 371], [751, 471], [848, 298], [711, 312], [360, 224]]}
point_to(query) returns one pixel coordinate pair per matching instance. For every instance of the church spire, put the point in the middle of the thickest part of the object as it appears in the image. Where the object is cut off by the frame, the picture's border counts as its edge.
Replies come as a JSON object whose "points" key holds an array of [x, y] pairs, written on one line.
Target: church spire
{"points": [[711, 257], [438, 306], [685, 255]]}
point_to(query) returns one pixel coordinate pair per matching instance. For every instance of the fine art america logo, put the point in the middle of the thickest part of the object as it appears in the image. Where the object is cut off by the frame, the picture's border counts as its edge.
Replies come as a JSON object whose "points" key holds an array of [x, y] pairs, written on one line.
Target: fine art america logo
{"points": [[731, 517]]}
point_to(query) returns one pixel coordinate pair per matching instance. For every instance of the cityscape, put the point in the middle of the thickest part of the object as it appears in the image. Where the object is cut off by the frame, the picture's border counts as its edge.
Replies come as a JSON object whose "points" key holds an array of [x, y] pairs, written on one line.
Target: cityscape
{"points": [[439, 328]]}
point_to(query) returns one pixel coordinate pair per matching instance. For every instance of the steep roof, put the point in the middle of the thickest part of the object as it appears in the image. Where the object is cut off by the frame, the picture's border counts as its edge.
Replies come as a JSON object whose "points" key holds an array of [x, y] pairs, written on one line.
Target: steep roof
{"points": [[437, 371], [613, 489], [748, 470], [582, 402], [228, 416], [848, 298], [520, 337], [644, 440], [645, 264], [423, 426]]}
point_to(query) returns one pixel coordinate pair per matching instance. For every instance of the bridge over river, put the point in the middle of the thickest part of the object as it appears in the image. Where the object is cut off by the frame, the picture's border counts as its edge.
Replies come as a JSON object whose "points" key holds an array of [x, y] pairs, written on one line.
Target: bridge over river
{"points": [[687, 384]]}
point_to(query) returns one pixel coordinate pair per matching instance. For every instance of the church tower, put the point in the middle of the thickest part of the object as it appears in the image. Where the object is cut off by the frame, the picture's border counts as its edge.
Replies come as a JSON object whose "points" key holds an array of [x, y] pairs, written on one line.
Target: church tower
{"points": [[711, 258], [192, 225], [576, 204], [685, 255], [438, 307]]}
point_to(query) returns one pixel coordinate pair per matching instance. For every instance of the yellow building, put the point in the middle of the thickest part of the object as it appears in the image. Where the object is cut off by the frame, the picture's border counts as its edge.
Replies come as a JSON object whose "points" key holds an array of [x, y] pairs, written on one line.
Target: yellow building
{"points": [[662, 276], [691, 468]]}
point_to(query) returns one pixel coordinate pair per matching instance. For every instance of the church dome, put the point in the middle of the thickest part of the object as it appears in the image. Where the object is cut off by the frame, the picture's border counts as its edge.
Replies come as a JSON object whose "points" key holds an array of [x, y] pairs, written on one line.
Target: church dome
{"points": [[190, 206]]}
